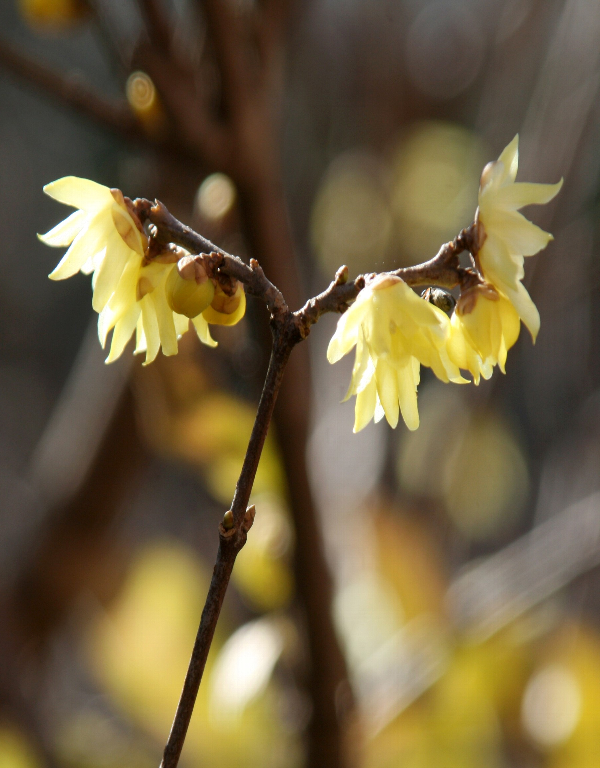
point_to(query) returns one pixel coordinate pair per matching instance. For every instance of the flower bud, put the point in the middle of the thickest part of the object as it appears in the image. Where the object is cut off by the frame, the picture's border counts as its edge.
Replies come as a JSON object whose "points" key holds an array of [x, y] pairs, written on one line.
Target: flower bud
{"points": [[189, 290], [440, 299], [225, 309]]}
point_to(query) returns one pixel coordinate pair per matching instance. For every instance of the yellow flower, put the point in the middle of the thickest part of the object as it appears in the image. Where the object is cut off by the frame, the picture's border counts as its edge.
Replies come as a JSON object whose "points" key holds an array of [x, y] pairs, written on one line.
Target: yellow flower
{"points": [[394, 331], [102, 235], [129, 294], [506, 236], [484, 326]]}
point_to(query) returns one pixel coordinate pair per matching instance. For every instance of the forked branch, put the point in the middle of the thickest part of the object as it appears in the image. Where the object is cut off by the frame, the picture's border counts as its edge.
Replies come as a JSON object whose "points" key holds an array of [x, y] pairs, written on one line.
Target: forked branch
{"points": [[288, 329]]}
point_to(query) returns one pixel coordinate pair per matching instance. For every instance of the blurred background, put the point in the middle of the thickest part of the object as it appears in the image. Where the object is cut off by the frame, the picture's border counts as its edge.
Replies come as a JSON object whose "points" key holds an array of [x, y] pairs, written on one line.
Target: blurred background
{"points": [[409, 600]]}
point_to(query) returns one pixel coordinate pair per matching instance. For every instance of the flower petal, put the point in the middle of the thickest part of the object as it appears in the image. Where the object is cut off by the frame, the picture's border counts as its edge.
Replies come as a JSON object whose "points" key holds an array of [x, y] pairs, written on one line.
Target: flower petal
{"points": [[203, 331], [63, 234], [123, 332], [407, 394], [520, 194], [109, 273], [80, 193], [151, 332], [87, 243], [526, 309], [166, 324], [509, 158], [364, 408], [519, 234], [387, 389], [348, 327]]}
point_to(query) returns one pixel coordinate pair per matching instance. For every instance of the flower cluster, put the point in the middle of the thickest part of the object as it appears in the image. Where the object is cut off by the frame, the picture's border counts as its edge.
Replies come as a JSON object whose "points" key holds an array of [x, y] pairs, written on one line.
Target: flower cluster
{"points": [[155, 298], [395, 331]]}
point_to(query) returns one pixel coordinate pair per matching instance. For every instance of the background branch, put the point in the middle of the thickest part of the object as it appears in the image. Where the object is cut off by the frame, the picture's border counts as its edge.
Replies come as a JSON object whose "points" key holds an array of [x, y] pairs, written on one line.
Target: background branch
{"points": [[70, 92]]}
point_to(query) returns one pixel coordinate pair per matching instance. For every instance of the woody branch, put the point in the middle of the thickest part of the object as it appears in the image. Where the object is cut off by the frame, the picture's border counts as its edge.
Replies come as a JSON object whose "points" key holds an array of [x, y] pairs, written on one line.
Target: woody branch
{"points": [[288, 329]]}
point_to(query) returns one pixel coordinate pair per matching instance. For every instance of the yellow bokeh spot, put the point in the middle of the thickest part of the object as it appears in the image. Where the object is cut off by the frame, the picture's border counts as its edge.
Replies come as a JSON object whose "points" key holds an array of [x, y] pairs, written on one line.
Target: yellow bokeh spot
{"points": [[436, 173], [15, 752], [472, 462], [144, 101], [351, 219], [52, 14]]}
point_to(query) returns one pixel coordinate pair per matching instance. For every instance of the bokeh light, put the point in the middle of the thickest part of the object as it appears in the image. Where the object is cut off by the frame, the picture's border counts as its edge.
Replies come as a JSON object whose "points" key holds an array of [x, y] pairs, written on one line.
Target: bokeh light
{"points": [[436, 175], [216, 196], [351, 218]]}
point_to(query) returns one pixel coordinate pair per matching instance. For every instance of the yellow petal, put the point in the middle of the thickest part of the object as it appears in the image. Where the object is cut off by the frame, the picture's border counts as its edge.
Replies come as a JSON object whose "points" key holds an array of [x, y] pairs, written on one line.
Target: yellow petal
{"points": [[123, 332], [182, 324], [520, 194], [509, 158], [364, 408], [80, 193], [220, 318], [151, 332], [87, 243], [407, 394], [126, 227], [110, 270], [387, 389], [66, 231], [526, 309], [348, 328], [203, 331], [166, 324], [140, 337], [520, 235]]}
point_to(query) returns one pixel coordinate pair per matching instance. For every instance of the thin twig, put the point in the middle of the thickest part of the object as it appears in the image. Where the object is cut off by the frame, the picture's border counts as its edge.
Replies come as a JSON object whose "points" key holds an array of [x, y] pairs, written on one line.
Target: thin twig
{"points": [[231, 542]]}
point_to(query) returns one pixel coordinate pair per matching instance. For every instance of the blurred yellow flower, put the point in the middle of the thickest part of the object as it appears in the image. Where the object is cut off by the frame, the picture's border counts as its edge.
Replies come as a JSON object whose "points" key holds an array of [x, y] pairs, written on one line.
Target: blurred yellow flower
{"points": [[484, 326], [106, 239], [506, 236], [394, 331]]}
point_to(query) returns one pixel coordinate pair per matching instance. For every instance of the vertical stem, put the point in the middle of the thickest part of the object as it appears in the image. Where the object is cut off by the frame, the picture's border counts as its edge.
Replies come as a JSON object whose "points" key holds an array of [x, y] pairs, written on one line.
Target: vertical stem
{"points": [[230, 543], [267, 226]]}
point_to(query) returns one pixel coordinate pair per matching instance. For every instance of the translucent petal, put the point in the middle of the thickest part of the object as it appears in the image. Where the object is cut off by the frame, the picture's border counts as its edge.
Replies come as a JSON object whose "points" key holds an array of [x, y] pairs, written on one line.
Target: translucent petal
{"points": [[151, 331], [182, 324], [509, 158], [387, 389], [520, 235], [526, 309], [347, 330], [379, 414], [87, 243], [111, 269], [498, 265], [80, 193], [519, 194], [166, 324], [127, 229], [203, 331], [511, 323], [362, 370], [124, 330], [125, 293], [407, 394], [364, 408], [66, 231], [140, 337]]}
